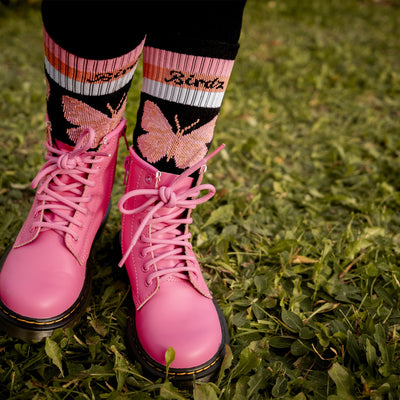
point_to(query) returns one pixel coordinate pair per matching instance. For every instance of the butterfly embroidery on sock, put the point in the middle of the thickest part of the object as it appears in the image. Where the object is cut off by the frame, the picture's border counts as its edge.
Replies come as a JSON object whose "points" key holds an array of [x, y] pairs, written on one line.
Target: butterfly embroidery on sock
{"points": [[160, 139], [83, 116], [48, 123], [47, 89]]}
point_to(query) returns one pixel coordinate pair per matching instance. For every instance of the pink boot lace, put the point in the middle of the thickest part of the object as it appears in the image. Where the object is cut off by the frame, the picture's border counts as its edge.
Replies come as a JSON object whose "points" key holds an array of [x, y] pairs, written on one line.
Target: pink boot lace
{"points": [[166, 238], [61, 192]]}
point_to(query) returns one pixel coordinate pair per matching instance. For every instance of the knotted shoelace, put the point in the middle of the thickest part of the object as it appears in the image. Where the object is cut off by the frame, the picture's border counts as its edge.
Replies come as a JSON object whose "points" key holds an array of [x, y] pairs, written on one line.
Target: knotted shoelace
{"points": [[169, 242], [62, 180]]}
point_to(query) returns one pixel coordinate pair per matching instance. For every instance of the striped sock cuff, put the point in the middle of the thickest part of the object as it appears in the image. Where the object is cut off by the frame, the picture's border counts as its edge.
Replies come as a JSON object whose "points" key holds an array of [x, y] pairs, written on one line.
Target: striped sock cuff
{"points": [[85, 76], [185, 79]]}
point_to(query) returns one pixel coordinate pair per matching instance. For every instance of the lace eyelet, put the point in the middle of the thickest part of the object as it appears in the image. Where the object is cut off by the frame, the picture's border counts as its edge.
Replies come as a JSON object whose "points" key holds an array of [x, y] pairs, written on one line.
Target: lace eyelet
{"points": [[148, 179], [147, 283]]}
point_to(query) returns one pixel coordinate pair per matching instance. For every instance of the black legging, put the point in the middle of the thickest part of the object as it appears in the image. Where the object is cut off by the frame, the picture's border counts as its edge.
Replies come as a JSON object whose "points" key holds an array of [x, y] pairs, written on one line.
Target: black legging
{"points": [[107, 29]]}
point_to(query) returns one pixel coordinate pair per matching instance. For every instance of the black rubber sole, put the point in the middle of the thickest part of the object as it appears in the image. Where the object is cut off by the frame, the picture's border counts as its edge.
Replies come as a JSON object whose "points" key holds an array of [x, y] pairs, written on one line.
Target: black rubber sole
{"points": [[182, 378], [32, 329]]}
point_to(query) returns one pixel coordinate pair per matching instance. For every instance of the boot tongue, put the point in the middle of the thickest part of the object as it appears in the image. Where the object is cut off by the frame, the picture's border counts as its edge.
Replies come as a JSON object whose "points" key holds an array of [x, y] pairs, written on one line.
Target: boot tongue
{"points": [[63, 179], [182, 186], [63, 146]]}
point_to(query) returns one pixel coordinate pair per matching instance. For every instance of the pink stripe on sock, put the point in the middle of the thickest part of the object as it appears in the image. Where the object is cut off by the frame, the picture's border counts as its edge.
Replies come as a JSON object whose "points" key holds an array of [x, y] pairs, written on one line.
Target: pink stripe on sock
{"points": [[184, 62], [87, 70], [195, 81]]}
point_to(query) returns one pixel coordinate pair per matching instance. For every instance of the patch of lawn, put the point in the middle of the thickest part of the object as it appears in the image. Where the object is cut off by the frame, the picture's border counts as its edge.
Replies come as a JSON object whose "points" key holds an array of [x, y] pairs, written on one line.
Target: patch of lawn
{"points": [[301, 243]]}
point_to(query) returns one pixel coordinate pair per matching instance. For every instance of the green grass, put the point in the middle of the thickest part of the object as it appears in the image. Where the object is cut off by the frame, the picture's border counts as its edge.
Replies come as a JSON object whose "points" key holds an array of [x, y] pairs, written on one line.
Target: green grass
{"points": [[301, 244]]}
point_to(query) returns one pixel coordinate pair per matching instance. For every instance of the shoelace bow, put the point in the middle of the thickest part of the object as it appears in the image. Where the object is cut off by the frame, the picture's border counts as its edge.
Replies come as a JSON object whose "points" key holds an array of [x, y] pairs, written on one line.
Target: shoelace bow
{"points": [[61, 192], [167, 225]]}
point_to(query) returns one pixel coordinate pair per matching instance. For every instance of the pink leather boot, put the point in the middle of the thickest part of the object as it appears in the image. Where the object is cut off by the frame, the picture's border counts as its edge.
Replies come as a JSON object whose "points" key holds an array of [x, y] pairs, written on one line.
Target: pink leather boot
{"points": [[172, 304], [44, 279]]}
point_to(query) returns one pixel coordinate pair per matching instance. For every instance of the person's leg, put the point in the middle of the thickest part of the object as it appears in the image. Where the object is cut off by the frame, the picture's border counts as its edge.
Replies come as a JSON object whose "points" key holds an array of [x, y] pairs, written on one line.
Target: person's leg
{"points": [[187, 61], [91, 52], [90, 56], [188, 57]]}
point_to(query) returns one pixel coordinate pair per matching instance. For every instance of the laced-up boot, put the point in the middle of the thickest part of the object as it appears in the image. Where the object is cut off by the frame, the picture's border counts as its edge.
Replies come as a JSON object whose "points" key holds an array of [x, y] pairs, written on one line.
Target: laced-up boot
{"points": [[44, 279], [172, 304]]}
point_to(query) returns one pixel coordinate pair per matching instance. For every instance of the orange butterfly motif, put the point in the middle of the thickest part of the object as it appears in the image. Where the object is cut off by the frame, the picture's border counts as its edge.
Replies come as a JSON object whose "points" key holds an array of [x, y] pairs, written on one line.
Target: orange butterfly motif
{"points": [[160, 139], [81, 114]]}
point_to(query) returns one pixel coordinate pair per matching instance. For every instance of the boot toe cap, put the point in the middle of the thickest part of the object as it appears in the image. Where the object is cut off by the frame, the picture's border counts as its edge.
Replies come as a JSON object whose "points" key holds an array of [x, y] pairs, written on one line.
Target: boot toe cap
{"points": [[182, 318], [40, 282]]}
